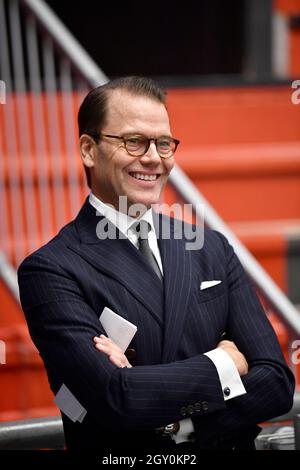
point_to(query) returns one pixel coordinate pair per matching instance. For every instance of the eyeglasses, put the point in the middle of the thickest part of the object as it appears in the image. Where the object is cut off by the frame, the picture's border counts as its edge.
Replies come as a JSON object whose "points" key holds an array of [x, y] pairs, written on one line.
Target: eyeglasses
{"points": [[137, 145]]}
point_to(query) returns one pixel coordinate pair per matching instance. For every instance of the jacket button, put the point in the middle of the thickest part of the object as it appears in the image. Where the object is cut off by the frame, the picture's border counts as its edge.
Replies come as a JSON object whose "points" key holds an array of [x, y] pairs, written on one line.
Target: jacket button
{"points": [[198, 407], [204, 406], [226, 391], [190, 409], [130, 353], [183, 411]]}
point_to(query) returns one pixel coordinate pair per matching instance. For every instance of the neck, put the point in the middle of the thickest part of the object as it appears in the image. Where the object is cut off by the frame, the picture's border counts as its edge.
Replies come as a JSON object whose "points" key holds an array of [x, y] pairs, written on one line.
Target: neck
{"points": [[133, 209]]}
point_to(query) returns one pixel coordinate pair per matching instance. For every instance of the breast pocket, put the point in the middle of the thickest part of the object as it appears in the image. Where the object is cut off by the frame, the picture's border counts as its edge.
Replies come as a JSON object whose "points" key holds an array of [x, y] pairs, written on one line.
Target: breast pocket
{"points": [[211, 293]]}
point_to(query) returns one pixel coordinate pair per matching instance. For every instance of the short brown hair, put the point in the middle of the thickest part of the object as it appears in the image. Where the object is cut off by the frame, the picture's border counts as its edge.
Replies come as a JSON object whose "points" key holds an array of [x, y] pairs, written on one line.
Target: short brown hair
{"points": [[93, 110]]}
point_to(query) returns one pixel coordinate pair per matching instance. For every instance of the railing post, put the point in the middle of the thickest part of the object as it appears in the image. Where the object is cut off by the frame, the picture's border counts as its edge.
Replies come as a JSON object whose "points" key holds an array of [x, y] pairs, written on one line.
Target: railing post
{"points": [[297, 431]]}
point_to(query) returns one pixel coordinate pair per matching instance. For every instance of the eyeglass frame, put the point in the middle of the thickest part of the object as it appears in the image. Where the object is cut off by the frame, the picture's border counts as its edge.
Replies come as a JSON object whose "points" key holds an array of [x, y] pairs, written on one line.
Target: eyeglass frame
{"points": [[96, 136]]}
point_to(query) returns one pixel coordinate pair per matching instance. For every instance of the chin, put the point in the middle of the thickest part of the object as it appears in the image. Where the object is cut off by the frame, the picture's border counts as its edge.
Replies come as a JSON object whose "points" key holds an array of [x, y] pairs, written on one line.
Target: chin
{"points": [[145, 201], [143, 198]]}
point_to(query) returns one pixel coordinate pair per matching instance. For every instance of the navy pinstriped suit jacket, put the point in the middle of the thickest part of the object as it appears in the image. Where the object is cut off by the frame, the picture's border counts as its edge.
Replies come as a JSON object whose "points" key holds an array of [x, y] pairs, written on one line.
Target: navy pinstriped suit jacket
{"points": [[64, 287]]}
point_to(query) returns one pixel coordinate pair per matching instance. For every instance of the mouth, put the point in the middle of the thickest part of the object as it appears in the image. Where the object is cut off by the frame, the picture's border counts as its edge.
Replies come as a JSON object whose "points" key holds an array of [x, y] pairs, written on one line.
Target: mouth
{"points": [[144, 177]]}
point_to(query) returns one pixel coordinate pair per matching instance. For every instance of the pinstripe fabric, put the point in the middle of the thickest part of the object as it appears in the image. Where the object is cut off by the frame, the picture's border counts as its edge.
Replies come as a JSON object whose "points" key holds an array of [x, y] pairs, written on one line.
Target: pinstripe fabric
{"points": [[64, 287]]}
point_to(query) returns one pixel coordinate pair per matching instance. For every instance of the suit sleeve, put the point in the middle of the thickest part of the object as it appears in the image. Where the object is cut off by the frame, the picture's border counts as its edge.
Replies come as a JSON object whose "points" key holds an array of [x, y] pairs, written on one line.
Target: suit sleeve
{"points": [[62, 326], [269, 382]]}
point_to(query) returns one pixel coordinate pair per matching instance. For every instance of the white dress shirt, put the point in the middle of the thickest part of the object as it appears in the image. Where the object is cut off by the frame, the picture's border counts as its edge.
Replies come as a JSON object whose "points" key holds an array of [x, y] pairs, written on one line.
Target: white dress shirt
{"points": [[230, 380], [124, 224]]}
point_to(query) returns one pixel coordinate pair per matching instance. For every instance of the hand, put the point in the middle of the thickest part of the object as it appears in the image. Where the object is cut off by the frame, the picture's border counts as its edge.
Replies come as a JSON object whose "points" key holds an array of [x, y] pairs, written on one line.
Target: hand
{"points": [[115, 354], [236, 355]]}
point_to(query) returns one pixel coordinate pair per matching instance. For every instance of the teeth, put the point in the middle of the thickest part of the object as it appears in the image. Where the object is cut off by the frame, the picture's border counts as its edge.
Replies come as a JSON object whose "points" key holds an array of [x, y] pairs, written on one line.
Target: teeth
{"points": [[140, 176]]}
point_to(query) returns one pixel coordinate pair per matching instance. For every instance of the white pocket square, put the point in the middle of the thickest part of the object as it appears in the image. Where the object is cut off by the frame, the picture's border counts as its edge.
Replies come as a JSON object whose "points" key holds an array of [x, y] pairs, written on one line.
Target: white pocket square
{"points": [[207, 284]]}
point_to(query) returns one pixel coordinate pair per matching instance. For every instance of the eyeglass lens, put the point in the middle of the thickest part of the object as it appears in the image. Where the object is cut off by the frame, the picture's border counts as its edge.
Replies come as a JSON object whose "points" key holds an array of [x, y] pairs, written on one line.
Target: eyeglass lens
{"points": [[139, 144]]}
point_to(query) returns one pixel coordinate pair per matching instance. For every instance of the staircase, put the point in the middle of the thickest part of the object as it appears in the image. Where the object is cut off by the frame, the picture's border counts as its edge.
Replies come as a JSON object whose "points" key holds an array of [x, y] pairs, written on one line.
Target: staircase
{"points": [[241, 147]]}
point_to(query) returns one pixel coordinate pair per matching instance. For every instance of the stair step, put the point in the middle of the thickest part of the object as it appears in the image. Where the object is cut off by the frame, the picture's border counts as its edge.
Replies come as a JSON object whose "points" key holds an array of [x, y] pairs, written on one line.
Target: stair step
{"points": [[270, 241], [228, 116], [247, 182]]}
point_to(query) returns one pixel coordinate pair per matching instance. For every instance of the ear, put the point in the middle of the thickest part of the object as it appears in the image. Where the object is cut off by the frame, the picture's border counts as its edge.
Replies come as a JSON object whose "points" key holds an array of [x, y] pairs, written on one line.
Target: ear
{"points": [[88, 150]]}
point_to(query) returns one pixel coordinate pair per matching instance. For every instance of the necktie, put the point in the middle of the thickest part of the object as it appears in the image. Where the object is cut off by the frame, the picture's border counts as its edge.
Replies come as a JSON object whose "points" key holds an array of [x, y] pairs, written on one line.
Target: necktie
{"points": [[142, 229]]}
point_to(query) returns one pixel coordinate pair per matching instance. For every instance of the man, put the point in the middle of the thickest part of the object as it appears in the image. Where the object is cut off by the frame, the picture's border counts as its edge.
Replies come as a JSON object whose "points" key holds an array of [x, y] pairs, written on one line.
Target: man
{"points": [[183, 388]]}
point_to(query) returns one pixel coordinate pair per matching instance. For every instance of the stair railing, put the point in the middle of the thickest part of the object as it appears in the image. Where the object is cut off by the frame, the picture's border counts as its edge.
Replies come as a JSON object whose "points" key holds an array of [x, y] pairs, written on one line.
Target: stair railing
{"points": [[55, 60]]}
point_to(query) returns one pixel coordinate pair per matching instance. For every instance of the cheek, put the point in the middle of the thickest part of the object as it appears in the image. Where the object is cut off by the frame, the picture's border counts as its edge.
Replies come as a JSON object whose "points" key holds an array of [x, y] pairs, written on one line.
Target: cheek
{"points": [[169, 164]]}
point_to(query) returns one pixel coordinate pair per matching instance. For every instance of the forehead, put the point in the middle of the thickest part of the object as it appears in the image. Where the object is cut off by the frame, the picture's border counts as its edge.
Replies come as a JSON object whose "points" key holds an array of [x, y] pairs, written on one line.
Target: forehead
{"points": [[127, 112]]}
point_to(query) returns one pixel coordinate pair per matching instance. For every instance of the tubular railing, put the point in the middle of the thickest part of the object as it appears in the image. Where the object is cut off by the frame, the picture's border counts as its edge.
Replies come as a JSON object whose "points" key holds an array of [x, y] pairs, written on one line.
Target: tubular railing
{"points": [[8, 273], [32, 434], [47, 433], [47, 73], [275, 297]]}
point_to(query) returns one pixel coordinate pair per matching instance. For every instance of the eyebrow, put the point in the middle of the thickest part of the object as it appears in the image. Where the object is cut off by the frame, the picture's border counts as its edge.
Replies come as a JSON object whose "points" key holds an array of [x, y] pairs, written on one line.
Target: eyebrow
{"points": [[144, 135]]}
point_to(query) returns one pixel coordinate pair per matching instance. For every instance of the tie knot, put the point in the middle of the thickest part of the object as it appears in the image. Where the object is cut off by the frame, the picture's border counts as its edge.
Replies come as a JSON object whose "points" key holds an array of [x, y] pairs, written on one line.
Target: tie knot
{"points": [[142, 229]]}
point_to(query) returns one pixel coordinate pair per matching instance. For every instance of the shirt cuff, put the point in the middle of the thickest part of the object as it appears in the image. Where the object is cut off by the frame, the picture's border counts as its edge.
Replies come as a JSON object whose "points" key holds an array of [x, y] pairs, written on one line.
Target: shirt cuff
{"points": [[229, 376], [186, 427]]}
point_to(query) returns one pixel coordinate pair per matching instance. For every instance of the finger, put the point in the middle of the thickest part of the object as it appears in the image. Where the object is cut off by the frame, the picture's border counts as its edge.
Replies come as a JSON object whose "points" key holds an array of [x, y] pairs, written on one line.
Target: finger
{"points": [[119, 357], [104, 337], [115, 354], [106, 349], [99, 339], [119, 362], [108, 343]]}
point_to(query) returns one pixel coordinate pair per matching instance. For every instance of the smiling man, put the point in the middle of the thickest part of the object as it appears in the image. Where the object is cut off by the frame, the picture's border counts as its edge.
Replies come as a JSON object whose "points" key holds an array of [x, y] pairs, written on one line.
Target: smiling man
{"points": [[117, 152], [180, 386]]}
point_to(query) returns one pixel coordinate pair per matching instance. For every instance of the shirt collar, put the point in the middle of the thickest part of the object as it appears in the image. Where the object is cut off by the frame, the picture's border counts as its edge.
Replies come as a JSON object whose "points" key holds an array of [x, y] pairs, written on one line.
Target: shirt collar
{"points": [[122, 221]]}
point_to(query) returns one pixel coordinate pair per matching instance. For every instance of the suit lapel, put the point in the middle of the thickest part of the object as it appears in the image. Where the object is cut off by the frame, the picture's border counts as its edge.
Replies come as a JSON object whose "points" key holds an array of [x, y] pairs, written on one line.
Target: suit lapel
{"points": [[119, 259], [177, 267]]}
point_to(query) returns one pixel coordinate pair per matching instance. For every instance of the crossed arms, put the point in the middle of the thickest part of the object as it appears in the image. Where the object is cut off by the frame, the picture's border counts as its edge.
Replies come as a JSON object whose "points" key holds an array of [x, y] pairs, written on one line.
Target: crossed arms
{"points": [[62, 325]]}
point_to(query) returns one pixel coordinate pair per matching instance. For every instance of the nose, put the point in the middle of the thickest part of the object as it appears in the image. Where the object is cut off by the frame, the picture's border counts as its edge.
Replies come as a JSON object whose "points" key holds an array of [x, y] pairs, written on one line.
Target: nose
{"points": [[151, 155]]}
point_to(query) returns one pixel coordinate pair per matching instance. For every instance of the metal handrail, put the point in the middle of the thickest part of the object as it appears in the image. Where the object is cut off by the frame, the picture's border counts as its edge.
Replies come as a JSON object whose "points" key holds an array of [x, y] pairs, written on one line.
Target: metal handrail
{"points": [[67, 42], [32, 434], [9, 276], [278, 300], [48, 433], [183, 185]]}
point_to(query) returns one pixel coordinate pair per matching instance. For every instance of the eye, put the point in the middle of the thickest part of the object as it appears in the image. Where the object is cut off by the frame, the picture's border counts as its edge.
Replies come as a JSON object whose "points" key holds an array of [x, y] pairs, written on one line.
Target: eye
{"points": [[135, 141], [164, 144]]}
